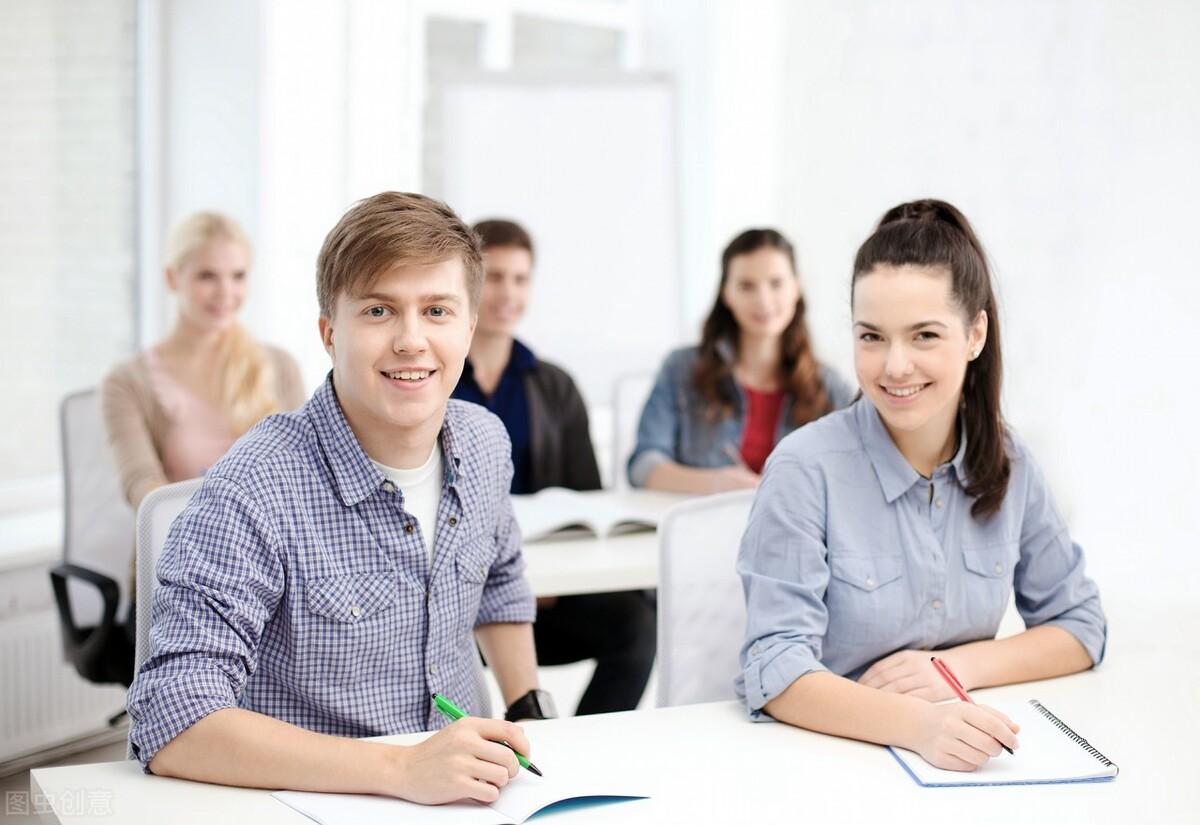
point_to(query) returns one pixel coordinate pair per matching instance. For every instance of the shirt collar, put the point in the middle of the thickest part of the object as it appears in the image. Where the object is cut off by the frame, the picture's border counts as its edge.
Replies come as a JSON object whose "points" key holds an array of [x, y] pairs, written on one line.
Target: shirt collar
{"points": [[354, 474], [896, 475], [522, 358]]}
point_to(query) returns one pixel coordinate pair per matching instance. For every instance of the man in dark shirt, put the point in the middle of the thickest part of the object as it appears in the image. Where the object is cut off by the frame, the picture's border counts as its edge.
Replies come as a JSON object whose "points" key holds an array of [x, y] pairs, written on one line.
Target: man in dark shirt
{"points": [[547, 422]]}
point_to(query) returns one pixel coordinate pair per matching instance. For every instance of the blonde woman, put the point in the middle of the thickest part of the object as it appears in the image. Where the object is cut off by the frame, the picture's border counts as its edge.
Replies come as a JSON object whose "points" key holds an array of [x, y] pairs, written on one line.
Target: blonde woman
{"points": [[176, 408]]}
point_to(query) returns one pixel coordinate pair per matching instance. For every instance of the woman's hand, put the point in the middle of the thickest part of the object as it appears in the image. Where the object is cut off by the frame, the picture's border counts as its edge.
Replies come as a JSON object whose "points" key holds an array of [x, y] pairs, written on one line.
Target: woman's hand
{"points": [[733, 477], [910, 672], [464, 760], [961, 736]]}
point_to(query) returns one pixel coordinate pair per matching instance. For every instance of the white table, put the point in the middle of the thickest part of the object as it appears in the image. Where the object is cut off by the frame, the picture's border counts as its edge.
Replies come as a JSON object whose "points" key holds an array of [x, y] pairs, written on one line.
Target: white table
{"points": [[711, 765], [586, 564]]}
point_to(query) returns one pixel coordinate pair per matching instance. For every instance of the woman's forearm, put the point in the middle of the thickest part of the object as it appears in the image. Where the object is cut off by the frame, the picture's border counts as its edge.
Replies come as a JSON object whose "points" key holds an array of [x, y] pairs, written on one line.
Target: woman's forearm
{"points": [[1038, 653], [673, 477], [826, 703], [233, 746]]}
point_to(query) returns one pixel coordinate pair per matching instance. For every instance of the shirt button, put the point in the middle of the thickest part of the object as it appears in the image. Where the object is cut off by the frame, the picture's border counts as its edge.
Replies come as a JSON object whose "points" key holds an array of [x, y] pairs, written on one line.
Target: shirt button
{"points": [[937, 604], [408, 528], [937, 503], [999, 568], [870, 582], [483, 571], [355, 610], [453, 521], [391, 488], [433, 669]]}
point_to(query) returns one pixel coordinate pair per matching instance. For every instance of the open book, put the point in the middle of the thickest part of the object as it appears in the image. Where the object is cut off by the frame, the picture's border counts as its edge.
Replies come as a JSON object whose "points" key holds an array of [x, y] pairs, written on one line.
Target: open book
{"points": [[1049, 752], [603, 512], [521, 798]]}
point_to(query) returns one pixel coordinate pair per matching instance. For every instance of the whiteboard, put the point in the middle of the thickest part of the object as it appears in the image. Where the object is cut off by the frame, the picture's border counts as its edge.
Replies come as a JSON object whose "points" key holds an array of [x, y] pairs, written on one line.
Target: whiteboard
{"points": [[589, 168]]}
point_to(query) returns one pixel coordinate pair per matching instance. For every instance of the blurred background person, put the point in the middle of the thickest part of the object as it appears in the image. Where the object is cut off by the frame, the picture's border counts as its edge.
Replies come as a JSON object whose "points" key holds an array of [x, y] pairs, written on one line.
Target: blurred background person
{"points": [[719, 408], [551, 447], [172, 410]]}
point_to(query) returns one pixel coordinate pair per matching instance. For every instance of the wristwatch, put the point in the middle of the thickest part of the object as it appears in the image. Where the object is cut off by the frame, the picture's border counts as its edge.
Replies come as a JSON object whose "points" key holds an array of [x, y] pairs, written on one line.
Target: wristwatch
{"points": [[536, 704]]}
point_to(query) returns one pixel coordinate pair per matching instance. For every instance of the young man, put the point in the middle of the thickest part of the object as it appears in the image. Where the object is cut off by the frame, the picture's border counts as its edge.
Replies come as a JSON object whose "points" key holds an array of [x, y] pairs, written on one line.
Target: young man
{"points": [[548, 424], [338, 564]]}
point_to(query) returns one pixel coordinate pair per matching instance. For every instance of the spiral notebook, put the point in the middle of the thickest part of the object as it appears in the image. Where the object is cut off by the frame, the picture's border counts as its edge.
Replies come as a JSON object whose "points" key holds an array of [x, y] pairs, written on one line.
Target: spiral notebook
{"points": [[1050, 752]]}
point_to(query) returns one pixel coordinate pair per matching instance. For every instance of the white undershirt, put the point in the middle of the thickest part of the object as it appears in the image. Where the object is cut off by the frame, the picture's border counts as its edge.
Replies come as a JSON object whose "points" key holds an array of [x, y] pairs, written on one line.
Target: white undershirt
{"points": [[422, 488]]}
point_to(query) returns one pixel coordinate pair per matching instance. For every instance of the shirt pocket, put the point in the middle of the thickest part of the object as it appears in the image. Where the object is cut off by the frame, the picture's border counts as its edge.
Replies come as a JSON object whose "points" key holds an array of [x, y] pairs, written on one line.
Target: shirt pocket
{"points": [[865, 598], [352, 623], [987, 583], [472, 564]]}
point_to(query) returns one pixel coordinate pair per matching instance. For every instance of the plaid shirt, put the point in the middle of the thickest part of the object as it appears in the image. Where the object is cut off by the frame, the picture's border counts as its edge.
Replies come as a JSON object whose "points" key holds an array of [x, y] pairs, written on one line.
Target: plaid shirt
{"points": [[296, 585]]}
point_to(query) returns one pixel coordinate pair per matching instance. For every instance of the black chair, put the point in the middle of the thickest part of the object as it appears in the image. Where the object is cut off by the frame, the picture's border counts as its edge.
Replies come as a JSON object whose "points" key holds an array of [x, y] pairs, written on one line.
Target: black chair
{"points": [[97, 548]]}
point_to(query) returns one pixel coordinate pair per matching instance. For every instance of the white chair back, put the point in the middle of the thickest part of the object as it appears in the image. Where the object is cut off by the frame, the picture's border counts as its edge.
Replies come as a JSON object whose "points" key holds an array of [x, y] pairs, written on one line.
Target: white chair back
{"points": [[629, 397], [154, 518], [701, 610], [97, 521]]}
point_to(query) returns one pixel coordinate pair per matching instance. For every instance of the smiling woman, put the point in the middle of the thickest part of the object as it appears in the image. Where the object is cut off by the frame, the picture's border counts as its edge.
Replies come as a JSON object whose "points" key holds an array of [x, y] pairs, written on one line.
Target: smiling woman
{"points": [[903, 524], [174, 409]]}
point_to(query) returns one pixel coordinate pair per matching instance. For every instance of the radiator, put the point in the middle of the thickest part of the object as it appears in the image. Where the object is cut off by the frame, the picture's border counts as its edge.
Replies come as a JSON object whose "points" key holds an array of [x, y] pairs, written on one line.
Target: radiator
{"points": [[43, 702]]}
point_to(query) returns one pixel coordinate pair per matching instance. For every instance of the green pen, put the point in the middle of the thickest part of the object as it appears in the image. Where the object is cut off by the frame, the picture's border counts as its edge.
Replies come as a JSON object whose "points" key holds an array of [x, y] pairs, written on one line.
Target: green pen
{"points": [[452, 712]]}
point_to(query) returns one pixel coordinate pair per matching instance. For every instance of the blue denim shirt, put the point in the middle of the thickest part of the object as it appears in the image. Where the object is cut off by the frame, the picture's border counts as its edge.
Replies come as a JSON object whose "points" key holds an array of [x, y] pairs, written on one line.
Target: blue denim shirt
{"points": [[675, 427], [295, 583], [848, 557]]}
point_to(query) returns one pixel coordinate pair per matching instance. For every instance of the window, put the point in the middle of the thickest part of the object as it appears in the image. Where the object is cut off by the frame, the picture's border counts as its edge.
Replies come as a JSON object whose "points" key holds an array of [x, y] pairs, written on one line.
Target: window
{"points": [[67, 215]]}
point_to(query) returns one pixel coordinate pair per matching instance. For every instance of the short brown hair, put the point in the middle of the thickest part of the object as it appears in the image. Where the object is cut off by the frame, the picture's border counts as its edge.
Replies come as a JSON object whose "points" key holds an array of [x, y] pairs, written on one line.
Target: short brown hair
{"points": [[390, 228], [500, 232]]}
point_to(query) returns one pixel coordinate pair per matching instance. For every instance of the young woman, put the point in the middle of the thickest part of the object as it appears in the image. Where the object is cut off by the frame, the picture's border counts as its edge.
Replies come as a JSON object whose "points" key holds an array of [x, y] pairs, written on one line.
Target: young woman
{"points": [[904, 523], [718, 409], [547, 423], [176, 408]]}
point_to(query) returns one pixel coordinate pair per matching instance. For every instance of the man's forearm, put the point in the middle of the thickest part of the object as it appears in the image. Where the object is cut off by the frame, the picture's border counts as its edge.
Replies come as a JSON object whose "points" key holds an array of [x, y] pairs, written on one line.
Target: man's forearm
{"points": [[509, 651], [239, 747]]}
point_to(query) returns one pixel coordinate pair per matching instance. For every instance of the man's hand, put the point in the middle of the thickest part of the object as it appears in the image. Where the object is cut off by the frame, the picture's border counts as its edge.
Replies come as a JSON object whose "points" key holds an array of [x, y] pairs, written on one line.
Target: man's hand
{"points": [[464, 760]]}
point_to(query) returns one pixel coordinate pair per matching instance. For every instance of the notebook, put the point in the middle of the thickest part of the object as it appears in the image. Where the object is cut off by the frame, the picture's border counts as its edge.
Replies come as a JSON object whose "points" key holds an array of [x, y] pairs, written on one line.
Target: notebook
{"points": [[603, 512], [1050, 752], [523, 796]]}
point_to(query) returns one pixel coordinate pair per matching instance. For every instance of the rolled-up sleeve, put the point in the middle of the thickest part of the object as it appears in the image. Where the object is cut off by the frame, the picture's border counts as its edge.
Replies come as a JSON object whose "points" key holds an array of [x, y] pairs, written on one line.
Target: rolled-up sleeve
{"points": [[1051, 584], [784, 570], [506, 593], [219, 581], [658, 428]]}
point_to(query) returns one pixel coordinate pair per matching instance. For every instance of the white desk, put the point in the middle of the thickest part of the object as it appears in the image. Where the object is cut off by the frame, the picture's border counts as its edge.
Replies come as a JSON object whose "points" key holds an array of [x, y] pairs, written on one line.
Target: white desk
{"points": [[586, 564], [711, 765]]}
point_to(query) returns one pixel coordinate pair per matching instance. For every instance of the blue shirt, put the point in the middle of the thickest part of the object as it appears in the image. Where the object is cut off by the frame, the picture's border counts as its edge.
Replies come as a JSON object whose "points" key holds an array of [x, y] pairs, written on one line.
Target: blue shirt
{"points": [[510, 403], [295, 583], [675, 425], [850, 555]]}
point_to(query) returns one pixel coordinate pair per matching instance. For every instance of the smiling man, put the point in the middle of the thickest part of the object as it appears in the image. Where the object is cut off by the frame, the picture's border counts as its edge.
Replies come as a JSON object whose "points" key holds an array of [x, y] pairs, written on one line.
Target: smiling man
{"points": [[337, 567]]}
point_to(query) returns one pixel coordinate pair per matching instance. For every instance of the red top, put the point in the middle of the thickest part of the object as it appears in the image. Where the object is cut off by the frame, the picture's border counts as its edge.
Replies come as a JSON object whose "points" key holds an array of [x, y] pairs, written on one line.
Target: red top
{"points": [[762, 420]]}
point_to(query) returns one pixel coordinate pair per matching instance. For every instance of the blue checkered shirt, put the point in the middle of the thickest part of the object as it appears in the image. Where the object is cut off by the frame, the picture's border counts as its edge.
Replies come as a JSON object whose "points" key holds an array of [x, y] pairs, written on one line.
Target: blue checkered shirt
{"points": [[296, 585]]}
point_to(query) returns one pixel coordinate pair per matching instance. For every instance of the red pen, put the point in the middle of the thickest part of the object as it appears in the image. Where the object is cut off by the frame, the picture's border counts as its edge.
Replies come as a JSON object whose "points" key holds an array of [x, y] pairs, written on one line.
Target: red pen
{"points": [[946, 673]]}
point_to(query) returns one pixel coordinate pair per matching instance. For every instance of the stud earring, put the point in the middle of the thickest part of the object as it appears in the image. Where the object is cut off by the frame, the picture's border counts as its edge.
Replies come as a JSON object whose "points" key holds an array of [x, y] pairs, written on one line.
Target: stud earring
{"points": [[974, 354]]}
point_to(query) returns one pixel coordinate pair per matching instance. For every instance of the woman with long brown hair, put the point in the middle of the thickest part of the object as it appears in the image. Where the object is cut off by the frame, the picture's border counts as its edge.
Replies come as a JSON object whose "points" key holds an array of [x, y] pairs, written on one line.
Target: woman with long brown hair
{"points": [[905, 523], [718, 409]]}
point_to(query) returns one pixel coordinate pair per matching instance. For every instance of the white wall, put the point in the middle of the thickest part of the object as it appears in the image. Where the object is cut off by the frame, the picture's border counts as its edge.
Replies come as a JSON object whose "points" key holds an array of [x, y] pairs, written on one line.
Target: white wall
{"points": [[1067, 132]]}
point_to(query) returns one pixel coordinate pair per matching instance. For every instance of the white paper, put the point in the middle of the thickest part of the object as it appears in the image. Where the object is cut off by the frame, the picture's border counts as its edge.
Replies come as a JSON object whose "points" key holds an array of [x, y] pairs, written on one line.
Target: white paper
{"points": [[1045, 754], [523, 796]]}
